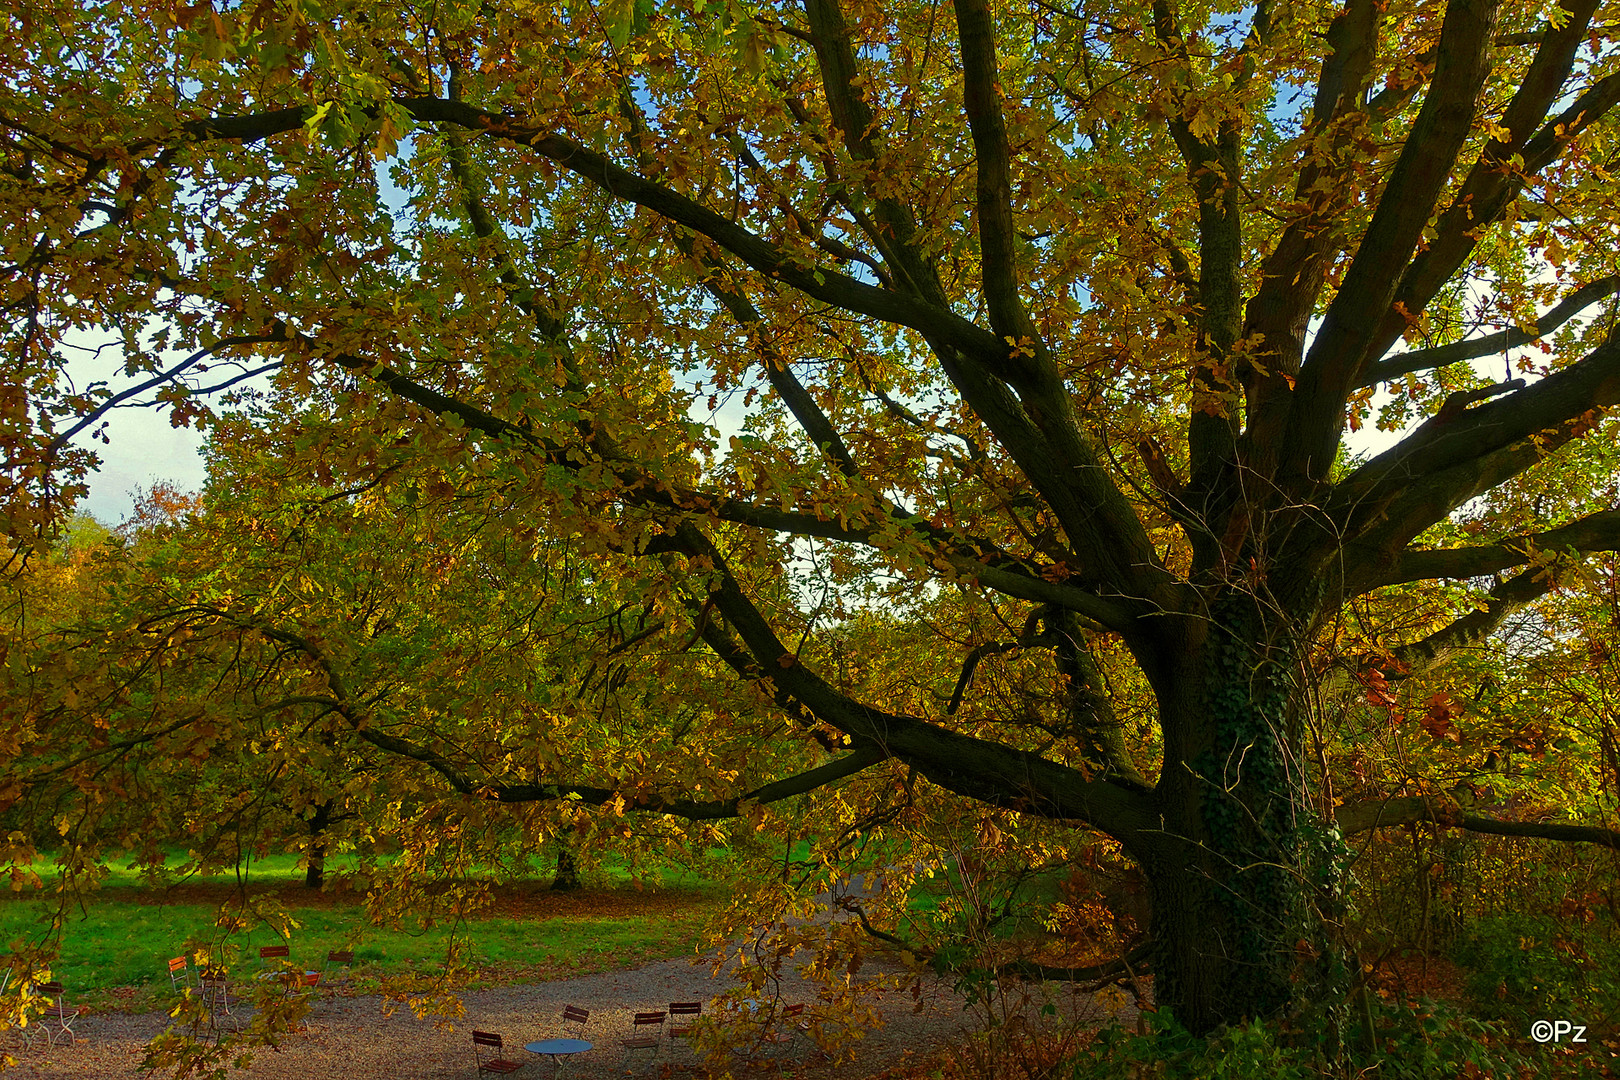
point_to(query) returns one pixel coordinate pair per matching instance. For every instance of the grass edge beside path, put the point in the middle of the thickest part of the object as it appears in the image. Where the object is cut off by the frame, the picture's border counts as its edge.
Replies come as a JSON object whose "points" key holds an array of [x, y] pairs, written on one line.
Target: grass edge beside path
{"points": [[115, 953]]}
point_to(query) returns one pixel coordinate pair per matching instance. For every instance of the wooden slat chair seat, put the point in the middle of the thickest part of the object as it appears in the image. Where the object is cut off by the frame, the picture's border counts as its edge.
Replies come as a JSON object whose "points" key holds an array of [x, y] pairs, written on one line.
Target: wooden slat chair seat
{"points": [[646, 1033], [488, 1042]]}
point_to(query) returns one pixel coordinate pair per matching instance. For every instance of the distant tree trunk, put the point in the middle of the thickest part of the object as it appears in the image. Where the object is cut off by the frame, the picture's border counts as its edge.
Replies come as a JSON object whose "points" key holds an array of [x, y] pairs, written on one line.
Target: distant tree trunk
{"points": [[567, 876], [315, 871]]}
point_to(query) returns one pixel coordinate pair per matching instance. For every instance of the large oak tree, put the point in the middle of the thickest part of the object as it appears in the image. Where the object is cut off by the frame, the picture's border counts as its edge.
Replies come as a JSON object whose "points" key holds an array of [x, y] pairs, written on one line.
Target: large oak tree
{"points": [[1060, 313]]}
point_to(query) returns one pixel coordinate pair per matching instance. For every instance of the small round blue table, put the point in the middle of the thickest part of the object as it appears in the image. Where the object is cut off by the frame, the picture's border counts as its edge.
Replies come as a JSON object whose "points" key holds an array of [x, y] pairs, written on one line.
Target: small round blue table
{"points": [[557, 1049]]}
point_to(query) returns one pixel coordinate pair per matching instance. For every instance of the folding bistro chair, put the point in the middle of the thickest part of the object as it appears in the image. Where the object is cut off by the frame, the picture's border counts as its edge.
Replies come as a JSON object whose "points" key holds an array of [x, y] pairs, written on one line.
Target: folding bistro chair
{"points": [[302, 986], [275, 964], [682, 1028], [787, 1035], [268, 968], [302, 982], [180, 974], [487, 1042], [574, 1020], [640, 1040], [57, 1023], [216, 990], [335, 972]]}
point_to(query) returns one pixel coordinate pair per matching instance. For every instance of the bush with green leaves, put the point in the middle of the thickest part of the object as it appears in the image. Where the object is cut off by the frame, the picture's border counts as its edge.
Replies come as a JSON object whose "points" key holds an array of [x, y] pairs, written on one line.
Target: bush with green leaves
{"points": [[1532, 967], [1410, 1043]]}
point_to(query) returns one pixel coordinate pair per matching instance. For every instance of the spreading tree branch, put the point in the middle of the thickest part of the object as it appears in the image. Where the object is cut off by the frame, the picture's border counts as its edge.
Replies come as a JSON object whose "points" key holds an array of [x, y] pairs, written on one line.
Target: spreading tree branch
{"points": [[825, 285], [1449, 460], [1292, 276], [998, 262], [173, 374], [1333, 364], [985, 564], [1493, 344], [1473, 628], [1410, 809], [1595, 532], [1492, 185], [828, 286], [977, 768], [364, 727], [894, 230], [1053, 453], [1214, 171], [862, 758]]}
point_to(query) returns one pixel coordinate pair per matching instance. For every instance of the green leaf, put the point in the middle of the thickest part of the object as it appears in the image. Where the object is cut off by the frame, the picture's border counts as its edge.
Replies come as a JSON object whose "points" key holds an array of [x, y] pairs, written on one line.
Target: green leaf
{"points": [[312, 126], [618, 20]]}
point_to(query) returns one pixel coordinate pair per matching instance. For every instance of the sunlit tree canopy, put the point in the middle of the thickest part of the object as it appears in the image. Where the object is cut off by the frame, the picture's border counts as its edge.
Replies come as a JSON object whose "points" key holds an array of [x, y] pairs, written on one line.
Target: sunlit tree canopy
{"points": [[1032, 429]]}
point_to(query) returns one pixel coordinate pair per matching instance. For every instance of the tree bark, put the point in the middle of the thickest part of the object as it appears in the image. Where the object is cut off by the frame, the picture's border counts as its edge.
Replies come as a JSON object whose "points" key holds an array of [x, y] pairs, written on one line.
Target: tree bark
{"points": [[1239, 876], [315, 868], [566, 878]]}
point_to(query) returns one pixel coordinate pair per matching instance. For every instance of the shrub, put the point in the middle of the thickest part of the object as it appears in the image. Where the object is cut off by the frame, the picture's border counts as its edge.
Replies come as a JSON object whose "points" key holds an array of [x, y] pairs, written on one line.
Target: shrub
{"points": [[1531, 967], [1422, 1042]]}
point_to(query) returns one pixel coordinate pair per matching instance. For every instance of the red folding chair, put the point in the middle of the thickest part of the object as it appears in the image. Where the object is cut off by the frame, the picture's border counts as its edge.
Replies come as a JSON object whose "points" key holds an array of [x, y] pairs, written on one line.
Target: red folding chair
{"points": [[573, 1014], [301, 987], [487, 1042]]}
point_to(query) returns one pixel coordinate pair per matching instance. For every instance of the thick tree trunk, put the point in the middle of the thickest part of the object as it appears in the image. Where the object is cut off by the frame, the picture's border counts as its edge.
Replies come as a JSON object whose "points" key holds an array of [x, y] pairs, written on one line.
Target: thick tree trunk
{"points": [[1241, 877], [567, 876], [1221, 950], [315, 872], [315, 869]]}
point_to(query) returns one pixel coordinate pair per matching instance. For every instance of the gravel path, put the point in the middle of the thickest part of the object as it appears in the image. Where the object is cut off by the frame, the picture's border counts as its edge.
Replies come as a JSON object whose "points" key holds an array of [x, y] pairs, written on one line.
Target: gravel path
{"points": [[350, 1038]]}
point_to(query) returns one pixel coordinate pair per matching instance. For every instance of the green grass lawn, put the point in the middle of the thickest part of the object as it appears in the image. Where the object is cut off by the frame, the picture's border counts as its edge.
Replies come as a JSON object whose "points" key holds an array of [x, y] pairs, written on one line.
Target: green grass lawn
{"points": [[115, 951]]}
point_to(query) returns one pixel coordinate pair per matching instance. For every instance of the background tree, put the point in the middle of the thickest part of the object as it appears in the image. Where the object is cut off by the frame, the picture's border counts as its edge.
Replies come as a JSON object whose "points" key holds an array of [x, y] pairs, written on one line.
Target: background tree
{"points": [[1052, 319]]}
